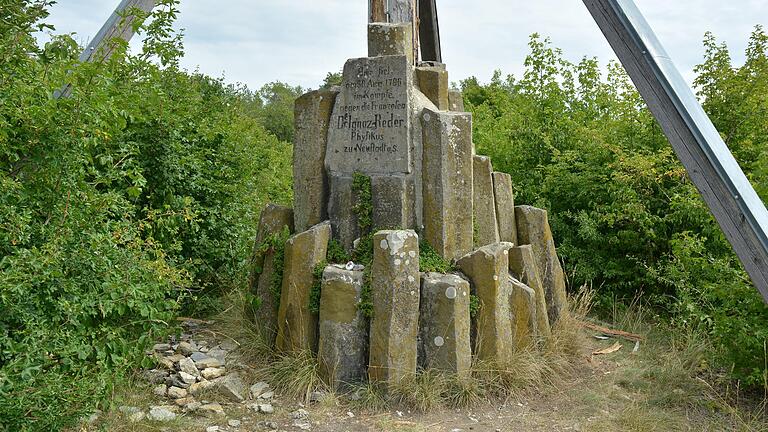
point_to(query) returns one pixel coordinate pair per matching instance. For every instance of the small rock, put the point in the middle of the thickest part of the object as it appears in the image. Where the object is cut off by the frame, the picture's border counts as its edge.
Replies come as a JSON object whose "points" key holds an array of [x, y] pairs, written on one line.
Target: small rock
{"points": [[266, 408], [128, 410], [176, 393], [212, 429], [218, 354], [197, 388], [176, 381], [175, 358], [187, 378], [161, 347], [187, 348], [258, 389], [155, 376], [210, 410], [166, 363], [184, 402], [234, 423], [300, 414], [197, 356], [350, 414], [186, 365], [213, 373], [161, 413], [316, 396], [160, 390], [209, 362], [268, 395], [203, 349], [191, 407], [231, 387], [303, 425], [270, 425]]}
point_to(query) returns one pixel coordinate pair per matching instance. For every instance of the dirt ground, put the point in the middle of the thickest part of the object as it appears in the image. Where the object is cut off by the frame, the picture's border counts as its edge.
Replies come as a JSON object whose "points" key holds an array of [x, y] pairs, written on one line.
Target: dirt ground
{"points": [[655, 388]]}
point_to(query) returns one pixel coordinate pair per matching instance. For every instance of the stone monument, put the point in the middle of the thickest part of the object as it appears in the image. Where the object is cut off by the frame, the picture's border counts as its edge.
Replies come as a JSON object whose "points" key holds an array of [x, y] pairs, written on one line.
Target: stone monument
{"points": [[395, 123]]}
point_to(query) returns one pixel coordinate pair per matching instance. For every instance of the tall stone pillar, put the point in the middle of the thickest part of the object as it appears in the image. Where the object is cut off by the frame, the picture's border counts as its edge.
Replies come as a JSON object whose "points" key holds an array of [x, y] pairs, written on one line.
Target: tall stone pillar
{"points": [[486, 225], [447, 182], [312, 114], [297, 325], [395, 292], [488, 271], [444, 324]]}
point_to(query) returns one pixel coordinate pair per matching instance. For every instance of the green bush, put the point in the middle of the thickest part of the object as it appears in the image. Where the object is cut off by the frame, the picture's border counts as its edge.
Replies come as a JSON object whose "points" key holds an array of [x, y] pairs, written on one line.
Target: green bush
{"points": [[581, 143], [118, 207]]}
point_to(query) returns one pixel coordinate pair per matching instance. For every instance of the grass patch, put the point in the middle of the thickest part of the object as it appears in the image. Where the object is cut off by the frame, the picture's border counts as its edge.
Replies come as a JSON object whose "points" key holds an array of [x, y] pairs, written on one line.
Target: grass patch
{"points": [[295, 375]]}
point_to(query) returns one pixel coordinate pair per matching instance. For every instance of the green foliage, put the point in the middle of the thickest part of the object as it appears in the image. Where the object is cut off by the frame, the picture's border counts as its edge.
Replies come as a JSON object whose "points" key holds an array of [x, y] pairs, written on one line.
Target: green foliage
{"points": [[277, 100], [275, 243], [317, 287], [118, 206], [363, 208], [431, 261], [474, 305], [336, 253], [331, 80], [581, 143]]}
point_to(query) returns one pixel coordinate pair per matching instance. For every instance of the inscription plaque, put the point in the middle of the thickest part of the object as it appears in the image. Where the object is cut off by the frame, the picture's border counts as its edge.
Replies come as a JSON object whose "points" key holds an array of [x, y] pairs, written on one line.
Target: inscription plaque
{"points": [[370, 125]]}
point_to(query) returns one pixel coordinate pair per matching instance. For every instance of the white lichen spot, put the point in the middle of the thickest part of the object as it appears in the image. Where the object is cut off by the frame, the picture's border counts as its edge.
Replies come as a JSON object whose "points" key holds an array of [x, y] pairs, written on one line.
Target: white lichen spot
{"points": [[413, 293], [427, 116], [450, 293], [412, 254], [398, 262], [384, 245], [411, 279], [407, 262], [506, 252], [396, 242], [439, 341], [495, 277]]}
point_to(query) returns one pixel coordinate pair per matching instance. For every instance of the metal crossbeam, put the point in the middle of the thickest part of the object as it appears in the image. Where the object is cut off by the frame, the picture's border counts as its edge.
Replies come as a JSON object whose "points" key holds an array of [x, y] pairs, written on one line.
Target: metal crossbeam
{"points": [[711, 166], [118, 25], [429, 31]]}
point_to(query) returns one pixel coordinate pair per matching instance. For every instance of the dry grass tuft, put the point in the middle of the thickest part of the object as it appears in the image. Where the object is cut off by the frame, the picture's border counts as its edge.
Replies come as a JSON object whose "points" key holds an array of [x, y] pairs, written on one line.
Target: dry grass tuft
{"points": [[294, 374], [237, 324]]}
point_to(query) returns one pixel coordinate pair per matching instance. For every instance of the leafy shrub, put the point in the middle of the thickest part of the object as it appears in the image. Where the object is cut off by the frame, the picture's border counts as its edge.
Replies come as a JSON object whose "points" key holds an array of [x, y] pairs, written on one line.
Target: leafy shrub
{"points": [[117, 206], [581, 143]]}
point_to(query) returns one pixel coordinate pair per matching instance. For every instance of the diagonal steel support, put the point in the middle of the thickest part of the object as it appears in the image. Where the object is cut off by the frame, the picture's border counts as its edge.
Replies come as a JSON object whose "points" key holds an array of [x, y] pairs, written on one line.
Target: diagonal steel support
{"points": [[429, 31], [711, 166]]}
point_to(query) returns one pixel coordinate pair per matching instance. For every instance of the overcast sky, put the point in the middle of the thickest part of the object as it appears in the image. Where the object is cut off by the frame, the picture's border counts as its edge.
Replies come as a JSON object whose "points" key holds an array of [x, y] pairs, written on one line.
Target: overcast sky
{"points": [[300, 41]]}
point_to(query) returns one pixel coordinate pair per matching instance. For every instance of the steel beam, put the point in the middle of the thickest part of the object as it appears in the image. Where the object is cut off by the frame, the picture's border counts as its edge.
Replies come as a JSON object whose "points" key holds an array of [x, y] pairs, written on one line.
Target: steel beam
{"points": [[711, 166]]}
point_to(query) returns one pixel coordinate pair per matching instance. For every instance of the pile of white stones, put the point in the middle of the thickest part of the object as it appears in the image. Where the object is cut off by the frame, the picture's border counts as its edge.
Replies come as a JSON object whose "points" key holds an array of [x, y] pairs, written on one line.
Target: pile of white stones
{"points": [[191, 372]]}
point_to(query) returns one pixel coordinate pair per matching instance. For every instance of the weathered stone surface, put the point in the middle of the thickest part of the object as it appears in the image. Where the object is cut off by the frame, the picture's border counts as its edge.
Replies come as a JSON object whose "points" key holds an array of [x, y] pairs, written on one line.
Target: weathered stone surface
{"points": [[456, 100], [213, 373], [343, 347], [198, 388], [393, 199], [433, 82], [444, 323], [297, 326], [370, 129], [312, 114], [211, 410], [395, 292], [504, 199], [533, 229], [391, 40], [447, 182], [486, 226], [344, 223], [164, 413], [232, 387], [176, 393], [259, 389], [522, 266], [488, 271], [273, 220], [522, 305], [188, 366]]}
